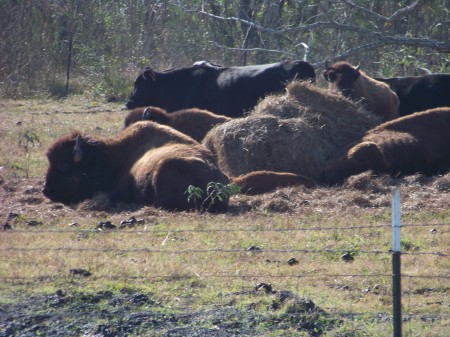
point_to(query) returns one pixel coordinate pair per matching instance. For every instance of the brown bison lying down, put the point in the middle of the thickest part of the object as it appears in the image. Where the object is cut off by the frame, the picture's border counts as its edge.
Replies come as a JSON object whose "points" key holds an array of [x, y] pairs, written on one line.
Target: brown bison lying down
{"points": [[354, 83], [193, 122], [418, 143], [259, 182], [146, 163]]}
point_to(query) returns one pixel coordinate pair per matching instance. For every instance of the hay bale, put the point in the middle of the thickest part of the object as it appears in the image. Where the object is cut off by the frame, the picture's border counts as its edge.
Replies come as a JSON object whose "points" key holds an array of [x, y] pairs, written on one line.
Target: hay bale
{"points": [[295, 132]]}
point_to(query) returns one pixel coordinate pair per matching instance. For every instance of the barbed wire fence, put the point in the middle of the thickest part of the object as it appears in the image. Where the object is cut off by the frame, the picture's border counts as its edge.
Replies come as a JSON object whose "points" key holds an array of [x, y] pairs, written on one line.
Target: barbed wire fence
{"points": [[396, 316]]}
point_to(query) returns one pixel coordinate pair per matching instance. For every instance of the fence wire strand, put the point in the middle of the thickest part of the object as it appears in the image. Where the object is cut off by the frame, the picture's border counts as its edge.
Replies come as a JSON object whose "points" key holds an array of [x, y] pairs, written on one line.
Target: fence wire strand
{"points": [[148, 230], [245, 278]]}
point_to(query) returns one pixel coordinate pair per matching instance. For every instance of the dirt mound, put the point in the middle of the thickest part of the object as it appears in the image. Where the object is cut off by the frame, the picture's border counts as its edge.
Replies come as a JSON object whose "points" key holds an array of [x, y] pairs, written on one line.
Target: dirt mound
{"points": [[129, 312], [295, 132]]}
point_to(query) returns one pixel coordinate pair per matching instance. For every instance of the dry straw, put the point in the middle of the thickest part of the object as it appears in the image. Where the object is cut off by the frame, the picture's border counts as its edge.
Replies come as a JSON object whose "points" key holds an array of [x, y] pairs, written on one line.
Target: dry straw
{"points": [[294, 132]]}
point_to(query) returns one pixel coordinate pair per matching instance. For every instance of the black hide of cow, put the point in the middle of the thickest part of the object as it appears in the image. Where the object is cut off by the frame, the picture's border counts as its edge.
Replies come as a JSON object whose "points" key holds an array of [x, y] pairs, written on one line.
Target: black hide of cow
{"points": [[228, 91], [419, 93]]}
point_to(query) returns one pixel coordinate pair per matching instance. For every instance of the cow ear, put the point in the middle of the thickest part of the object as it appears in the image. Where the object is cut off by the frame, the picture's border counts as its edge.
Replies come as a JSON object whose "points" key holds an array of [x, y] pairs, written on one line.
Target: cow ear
{"points": [[77, 150], [149, 74]]}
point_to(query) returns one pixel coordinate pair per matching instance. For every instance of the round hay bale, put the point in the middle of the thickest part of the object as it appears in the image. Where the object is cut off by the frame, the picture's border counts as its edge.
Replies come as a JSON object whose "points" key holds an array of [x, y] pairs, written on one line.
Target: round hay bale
{"points": [[295, 132], [281, 106], [268, 143]]}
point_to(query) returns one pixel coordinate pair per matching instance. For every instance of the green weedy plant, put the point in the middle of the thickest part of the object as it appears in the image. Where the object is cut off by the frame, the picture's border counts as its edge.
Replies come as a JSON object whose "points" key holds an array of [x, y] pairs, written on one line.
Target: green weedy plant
{"points": [[194, 193], [214, 191], [26, 140]]}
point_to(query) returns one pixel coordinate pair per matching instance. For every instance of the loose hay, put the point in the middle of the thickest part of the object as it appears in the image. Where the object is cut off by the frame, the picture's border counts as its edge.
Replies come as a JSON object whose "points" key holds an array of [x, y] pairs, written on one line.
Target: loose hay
{"points": [[295, 132]]}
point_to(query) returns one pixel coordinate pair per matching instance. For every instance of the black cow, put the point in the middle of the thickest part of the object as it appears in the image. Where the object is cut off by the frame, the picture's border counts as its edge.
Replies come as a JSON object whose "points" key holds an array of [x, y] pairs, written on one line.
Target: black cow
{"points": [[228, 91], [419, 93]]}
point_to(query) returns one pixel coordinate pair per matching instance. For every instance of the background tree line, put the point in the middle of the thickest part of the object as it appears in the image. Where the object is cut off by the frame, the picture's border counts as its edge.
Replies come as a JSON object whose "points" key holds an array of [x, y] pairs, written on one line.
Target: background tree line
{"points": [[97, 47]]}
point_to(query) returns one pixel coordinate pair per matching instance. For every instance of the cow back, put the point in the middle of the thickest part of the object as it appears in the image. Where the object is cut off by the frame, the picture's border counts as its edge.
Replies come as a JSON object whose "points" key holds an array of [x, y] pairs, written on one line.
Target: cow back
{"points": [[419, 93], [228, 91]]}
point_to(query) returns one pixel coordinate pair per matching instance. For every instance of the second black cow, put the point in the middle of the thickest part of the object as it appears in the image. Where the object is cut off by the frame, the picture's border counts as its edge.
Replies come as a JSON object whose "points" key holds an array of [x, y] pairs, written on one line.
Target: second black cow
{"points": [[228, 91], [419, 93]]}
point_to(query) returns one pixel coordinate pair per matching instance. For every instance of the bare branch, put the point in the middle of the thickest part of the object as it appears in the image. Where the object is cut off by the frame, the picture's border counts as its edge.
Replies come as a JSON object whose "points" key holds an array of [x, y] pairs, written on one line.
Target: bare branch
{"points": [[443, 47], [393, 17], [276, 51], [319, 24], [389, 40], [351, 52], [415, 42]]}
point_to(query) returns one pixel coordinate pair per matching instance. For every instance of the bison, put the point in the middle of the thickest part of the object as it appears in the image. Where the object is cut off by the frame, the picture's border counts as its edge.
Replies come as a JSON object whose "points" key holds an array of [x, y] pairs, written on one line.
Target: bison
{"points": [[259, 182], [228, 91], [417, 143], [354, 83], [193, 122], [420, 93], [147, 163]]}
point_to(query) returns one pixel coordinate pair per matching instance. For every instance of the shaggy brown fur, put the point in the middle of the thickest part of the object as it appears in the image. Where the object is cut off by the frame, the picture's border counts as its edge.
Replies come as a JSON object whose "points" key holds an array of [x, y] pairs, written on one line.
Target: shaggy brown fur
{"points": [[354, 83], [259, 182], [417, 143], [296, 132], [146, 163], [193, 122]]}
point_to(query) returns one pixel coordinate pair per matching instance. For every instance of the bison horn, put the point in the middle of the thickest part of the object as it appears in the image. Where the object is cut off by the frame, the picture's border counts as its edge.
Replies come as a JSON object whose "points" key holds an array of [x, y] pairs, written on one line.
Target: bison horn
{"points": [[327, 63], [77, 151], [357, 67], [146, 114], [149, 73]]}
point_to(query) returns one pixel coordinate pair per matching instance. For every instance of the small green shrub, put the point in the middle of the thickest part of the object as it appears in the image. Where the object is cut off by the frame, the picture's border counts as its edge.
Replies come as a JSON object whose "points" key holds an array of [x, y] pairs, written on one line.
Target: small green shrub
{"points": [[214, 191], [26, 140]]}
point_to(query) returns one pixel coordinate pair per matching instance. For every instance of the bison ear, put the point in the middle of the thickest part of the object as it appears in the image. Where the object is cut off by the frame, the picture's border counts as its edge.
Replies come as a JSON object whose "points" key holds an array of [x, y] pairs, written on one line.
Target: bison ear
{"points": [[329, 75], [149, 74], [77, 150]]}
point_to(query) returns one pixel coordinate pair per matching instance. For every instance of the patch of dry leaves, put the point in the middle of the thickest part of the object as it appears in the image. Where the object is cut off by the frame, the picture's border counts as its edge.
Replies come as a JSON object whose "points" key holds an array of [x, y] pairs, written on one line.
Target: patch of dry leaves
{"points": [[359, 195]]}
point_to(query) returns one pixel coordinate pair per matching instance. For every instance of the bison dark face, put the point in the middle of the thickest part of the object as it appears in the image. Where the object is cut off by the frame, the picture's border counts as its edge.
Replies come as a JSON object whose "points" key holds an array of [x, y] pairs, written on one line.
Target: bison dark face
{"points": [[144, 84], [70, 177], [341, 76]]}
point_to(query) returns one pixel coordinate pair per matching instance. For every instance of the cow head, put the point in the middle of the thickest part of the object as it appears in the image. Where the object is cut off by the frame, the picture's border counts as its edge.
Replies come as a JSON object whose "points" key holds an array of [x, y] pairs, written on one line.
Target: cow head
{"points": [[144, 86], [71, 174], [341, 76]]}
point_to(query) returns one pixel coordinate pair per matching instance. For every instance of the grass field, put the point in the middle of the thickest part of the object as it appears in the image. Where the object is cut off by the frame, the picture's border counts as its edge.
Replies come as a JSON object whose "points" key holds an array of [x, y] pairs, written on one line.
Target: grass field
{"points": [[272, 266]]}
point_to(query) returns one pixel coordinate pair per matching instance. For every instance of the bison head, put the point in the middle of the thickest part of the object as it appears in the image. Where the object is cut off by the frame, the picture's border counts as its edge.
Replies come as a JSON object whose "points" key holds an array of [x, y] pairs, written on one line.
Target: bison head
{"points": [[155, 114], [71, 176], [144, 87], [151, 113], [341, 76]]}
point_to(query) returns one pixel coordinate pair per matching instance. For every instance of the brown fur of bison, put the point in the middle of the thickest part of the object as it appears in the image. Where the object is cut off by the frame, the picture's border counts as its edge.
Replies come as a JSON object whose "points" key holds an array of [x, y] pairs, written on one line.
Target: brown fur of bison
{"points": [[417, 143], [193, 122], [146, 163], [354, 83], [259, 182]]}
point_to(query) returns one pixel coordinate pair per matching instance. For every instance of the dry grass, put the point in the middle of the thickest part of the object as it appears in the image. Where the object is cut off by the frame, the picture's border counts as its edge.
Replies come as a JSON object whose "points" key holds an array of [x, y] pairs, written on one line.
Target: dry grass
{"points": [[188, 259], [295, 132]]}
